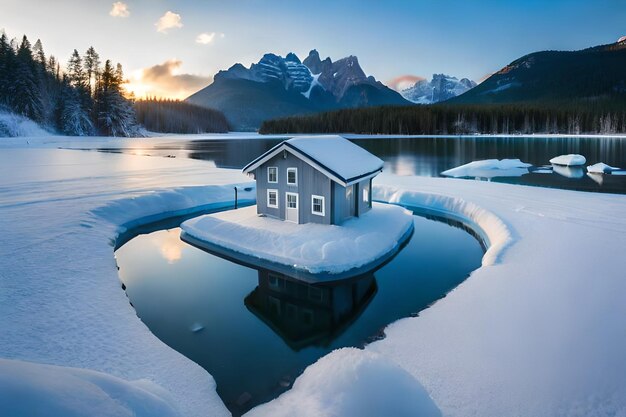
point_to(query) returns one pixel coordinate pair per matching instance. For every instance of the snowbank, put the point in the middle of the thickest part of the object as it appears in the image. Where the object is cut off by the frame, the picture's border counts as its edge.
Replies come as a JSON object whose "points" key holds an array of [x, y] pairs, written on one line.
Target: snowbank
{"points": [[601, 168], [15, 125], [496, 235], [60, 297], [32, 390], [310, 247], [490, 168], [569, 160], [540, 331], [352, 383]]}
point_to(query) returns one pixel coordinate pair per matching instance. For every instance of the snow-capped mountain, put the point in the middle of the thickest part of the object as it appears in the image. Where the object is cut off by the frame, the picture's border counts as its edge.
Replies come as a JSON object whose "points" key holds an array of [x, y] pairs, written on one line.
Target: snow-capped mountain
{"points": [[278, 87], [440, 88]]}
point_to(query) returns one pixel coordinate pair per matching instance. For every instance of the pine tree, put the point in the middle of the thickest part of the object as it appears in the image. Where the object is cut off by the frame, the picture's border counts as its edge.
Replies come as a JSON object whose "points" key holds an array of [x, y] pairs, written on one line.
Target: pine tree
{"points": [[27, 96], [115, 114], [73, 118], [7, 70], [92, 69]]}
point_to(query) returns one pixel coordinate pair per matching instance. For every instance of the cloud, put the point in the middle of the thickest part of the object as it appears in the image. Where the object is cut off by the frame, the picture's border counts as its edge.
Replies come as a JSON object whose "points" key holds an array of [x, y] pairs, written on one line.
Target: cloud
{"points": [[169, 20], [119, 10], [165, 81], [403, 81], [208, 37]]}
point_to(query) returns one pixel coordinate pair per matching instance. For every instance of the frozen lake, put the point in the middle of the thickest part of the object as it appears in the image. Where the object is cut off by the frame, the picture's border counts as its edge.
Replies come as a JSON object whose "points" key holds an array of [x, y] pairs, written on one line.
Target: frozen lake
{"points": [[256, 330], [430, 156]]}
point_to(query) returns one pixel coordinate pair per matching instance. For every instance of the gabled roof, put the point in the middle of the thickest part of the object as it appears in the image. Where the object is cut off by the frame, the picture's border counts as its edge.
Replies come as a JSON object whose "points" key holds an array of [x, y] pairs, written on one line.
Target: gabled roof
{"points": [[339, 159]]}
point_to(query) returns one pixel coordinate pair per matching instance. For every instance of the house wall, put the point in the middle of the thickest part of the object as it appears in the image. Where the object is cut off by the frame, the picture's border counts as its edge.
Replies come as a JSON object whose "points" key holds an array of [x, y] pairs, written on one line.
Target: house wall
{"points": [[348, 202], [310, 181]]}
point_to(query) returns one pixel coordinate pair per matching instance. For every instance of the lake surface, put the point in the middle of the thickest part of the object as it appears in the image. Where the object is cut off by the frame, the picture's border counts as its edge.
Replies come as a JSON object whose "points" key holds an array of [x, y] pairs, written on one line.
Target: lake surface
{"points": [[430, 156], [256, 330]]}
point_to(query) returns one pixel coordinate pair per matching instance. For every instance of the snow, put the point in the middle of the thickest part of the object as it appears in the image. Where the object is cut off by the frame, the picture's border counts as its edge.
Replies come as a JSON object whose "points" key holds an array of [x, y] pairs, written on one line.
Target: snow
{"points": [[15, 125], [569, 160], [338, 154], [349, 382], [314, 82], [27, 391], [61, 301], [601, 168], [314, 248], [537, 329], [490, 168]]}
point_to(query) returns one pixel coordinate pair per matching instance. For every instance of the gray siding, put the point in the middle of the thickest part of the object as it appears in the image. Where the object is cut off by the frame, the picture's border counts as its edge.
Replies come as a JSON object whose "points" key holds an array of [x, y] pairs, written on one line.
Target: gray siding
{"points": [[365, 186], [310, 182]]}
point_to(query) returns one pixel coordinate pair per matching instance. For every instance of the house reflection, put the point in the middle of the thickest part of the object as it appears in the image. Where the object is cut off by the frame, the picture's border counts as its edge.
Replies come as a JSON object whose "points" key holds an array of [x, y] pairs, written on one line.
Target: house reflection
{"points": [[305, 314]]}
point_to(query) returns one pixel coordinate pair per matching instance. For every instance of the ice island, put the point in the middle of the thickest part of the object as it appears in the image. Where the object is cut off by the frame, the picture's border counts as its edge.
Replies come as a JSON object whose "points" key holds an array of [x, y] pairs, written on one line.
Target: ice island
{"points": [[314, 212]]}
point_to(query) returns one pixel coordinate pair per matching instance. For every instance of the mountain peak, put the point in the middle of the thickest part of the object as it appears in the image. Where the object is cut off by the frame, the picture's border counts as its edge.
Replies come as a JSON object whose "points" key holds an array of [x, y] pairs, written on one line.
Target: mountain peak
{"points": [[440, 88], [622, 39]]}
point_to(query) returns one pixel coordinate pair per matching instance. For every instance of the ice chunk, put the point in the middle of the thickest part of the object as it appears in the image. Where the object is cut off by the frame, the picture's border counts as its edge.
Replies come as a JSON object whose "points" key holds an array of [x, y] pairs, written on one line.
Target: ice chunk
{"points": [[490, 168], [569, 160], [601, 168], [352, 383]]}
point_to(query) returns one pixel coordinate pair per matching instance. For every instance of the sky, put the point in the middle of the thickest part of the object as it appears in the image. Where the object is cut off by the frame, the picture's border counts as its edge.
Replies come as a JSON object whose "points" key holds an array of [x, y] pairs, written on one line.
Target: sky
{"points": [[172, 48]]}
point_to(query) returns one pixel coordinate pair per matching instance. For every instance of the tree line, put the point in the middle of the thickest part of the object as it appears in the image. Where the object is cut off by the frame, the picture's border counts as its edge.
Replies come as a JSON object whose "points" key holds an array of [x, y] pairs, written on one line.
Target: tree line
{"points": [[602, 117], [85, 99], [174, 116]]}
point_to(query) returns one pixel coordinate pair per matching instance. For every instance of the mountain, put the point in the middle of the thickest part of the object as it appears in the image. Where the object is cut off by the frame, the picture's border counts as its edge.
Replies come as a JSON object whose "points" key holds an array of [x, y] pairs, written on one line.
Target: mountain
{"points": [[556, 76], [279, 87], [442, 87]]}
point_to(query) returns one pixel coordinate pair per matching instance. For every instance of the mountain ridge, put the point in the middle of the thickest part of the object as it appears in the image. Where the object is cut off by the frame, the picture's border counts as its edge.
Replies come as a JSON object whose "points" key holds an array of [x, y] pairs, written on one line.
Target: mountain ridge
{"points": [[279, 86]]}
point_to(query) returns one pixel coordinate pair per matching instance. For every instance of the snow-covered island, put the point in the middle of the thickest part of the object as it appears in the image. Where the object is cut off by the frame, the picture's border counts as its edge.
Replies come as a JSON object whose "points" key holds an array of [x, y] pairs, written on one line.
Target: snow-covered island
{"points": [[314, 211], [536, 331]]}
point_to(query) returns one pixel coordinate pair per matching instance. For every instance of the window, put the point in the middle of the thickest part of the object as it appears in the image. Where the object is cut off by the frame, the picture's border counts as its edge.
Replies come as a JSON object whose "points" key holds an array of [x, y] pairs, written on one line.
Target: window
{"points": [[275, 281], [317, 205], [366, 195], [292, 176], [272, 174], [272, 198]]}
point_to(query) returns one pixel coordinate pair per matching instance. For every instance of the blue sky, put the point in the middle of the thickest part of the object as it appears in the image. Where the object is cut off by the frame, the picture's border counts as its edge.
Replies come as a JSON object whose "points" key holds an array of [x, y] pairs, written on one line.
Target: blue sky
{"points": [[391, 38]]}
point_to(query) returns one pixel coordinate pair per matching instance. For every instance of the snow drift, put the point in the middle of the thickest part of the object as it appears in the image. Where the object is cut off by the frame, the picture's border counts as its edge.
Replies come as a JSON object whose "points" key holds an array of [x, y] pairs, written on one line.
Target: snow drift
{"points": [[352, 383], [35, 390], [12, 124]]}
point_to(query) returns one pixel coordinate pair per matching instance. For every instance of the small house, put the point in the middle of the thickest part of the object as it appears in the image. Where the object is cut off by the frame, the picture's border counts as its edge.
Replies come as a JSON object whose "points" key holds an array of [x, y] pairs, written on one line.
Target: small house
{"points": [[315, 179]]}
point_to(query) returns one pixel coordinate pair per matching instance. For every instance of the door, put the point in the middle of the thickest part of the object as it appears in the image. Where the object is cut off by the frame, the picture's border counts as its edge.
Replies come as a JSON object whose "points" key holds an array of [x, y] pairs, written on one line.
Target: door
{"points": [[291, 207]]}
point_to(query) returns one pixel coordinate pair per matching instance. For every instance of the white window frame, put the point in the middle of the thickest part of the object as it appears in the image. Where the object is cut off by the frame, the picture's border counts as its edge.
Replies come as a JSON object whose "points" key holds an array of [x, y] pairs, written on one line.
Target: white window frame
{"points": [[268, 175], [317, 213], [295, 170], [287, 194], [271, 190]]}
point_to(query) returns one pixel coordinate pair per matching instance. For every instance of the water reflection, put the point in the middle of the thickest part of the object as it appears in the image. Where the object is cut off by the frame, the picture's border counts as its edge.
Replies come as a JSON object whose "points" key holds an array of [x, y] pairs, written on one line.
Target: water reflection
{"points": [[256, 330], [569, 172], [304, 314]]}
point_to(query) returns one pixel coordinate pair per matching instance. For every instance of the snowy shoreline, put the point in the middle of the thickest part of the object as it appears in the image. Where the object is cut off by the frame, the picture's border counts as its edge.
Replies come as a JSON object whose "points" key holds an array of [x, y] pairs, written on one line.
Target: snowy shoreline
{"points": [[537, 329]]}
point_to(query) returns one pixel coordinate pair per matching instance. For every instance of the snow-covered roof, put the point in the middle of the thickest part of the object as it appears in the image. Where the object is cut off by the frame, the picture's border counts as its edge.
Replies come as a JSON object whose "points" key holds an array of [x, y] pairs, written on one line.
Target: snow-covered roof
{"points": [[336, 157]]}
